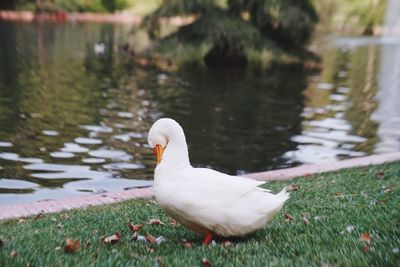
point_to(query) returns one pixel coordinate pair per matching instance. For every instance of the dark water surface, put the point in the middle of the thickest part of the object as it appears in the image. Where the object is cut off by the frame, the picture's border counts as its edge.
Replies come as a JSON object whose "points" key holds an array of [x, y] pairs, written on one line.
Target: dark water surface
{"points": [[74, 122]]}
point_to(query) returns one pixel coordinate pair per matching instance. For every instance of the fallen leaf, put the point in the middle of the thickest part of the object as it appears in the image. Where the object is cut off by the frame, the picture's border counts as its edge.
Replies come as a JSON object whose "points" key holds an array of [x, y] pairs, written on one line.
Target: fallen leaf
{"points": [[333, 181], [365, 249], [156, 222], [227, 243], [292, 187], [338, 194], [205, 262], [13, 253], [20, 221], [380, 173], [288, 218], [152, 202], [387, 190], [112, 239], [305, 218], [53, 219], [39, 215], [36, 115], [173, 222], [151, 250], [71, 245], [135, 227], [134, 237], [160, 260], [64, 216], [151, 239], [57, 248], [365, 237], [187, 244]]}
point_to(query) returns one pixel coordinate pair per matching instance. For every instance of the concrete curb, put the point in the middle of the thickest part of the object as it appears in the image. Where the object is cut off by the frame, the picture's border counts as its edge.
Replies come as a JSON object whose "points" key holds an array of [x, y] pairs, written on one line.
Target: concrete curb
{"points": [[303, 170], [34, 208]]}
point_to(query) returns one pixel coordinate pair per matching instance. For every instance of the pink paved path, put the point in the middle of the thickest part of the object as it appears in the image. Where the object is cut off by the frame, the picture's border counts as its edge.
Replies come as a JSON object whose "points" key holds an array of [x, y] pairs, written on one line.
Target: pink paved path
{"points": [[21, 210]]}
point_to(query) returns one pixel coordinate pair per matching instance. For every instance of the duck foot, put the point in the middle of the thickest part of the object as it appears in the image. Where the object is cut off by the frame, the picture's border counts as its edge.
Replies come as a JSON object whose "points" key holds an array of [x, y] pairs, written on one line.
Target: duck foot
{"points": [[207, 238]]}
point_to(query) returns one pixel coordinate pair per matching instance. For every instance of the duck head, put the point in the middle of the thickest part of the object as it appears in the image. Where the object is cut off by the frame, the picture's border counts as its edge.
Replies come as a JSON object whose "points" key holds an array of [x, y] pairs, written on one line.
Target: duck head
{"points": [[166, 135]]}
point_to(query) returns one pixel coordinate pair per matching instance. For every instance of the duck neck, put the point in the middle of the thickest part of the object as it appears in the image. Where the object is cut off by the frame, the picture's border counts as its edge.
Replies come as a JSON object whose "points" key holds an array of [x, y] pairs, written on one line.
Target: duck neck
{"points": [[175, 156]]}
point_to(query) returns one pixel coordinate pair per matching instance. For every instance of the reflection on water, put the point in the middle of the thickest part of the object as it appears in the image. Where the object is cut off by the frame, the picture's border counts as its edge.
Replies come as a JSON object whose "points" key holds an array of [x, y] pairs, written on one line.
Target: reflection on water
{"points": [[73, 122]]}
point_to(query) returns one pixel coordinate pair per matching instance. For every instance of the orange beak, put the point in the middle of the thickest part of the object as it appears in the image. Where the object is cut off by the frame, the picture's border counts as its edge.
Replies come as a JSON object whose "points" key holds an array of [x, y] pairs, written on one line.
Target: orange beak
{"points": [[158, 151]]}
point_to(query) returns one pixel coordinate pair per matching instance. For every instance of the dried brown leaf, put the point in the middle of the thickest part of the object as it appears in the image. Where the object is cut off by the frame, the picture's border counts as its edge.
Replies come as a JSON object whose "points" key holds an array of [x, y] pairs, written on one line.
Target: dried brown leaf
{"points": [[160, 260], [305, 218], [206, 262], [64, 216], [151, 250], [365, 237], [151, 239], [292, 187], [155, 222], [387, 190], [187, 244], [112, 239], [288, 218], [173, 222], [134, 237], [227, 243], [135, 227], [152, 202], [365, 249], [39, 215], [71, 245], [13, 253]]}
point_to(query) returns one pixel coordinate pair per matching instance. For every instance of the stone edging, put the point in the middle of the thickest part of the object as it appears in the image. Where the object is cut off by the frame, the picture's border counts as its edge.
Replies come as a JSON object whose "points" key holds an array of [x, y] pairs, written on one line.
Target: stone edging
{"points": [[22, 210]]}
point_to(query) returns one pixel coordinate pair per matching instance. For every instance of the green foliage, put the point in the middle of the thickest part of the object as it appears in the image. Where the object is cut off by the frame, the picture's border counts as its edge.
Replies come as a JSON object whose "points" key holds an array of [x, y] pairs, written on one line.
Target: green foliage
{"points": [[73, 5], [367, 13], [339, 208], [239, 25]]}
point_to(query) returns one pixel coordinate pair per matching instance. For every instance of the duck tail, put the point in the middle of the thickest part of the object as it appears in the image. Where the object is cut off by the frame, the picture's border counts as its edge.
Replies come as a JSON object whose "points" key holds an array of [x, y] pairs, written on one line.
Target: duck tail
{"points": [[283, 194]]}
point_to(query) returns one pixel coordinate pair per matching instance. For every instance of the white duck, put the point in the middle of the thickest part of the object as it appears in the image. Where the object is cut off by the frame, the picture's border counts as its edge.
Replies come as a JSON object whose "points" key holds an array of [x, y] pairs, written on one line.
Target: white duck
{"points": [[205, 200]]}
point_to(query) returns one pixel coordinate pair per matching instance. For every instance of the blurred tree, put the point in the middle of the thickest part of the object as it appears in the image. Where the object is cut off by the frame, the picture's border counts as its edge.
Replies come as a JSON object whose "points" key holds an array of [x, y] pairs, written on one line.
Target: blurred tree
{"points": [[233, 27], [7, 4], [67, 5]]}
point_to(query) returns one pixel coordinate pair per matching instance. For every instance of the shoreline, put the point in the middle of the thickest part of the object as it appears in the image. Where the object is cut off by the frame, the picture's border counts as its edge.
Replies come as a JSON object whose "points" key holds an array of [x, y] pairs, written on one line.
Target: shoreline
{"points": [[48, 206], [77, 17], [60, 17]]}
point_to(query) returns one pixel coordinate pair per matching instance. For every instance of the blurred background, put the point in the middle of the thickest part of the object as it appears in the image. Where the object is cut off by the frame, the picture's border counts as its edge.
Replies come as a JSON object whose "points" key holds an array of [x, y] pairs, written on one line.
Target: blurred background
{"points": [[256, 84]]}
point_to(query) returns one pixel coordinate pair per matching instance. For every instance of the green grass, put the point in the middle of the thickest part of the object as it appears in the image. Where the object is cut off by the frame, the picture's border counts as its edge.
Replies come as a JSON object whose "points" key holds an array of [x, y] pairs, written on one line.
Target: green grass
{"points": [[367, 198]]}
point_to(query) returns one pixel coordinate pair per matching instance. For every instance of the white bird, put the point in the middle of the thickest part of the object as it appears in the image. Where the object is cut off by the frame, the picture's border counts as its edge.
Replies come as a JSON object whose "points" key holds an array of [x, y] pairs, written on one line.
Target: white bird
{"points": [[204, 200]]}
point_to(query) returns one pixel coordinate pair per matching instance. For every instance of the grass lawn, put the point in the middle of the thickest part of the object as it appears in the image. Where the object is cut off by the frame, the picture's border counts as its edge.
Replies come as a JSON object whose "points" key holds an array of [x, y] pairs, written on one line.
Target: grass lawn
{"points": [[352, 219]]}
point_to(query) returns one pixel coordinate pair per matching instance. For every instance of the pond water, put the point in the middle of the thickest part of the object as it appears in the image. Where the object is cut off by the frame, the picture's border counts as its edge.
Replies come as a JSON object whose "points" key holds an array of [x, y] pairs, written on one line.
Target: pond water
{"points": [[73, 121]]}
